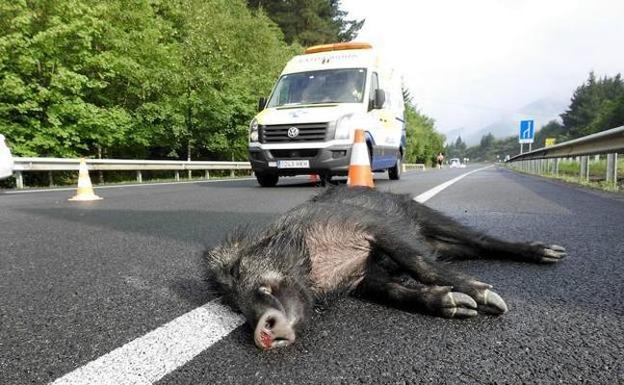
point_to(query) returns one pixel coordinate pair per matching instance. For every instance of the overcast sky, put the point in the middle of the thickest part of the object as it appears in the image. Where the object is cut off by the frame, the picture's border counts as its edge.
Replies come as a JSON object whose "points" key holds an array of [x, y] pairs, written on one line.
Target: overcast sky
{"points": [[468, 62]]}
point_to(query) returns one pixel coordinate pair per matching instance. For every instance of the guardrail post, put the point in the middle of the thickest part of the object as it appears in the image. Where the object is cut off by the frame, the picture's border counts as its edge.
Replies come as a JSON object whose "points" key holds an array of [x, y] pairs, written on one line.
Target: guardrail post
{"points": [[584, 175], [190, 174], [19, 180], [50, 179], [232, 174], [615, 170], [549, 166], [206, 174], [556, 166], [177, 176], [139, 176], [610, 164]]}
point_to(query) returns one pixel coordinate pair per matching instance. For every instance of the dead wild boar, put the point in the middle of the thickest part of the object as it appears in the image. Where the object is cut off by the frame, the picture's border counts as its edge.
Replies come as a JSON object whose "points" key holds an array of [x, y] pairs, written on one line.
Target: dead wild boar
{"points": [[363, 242]]}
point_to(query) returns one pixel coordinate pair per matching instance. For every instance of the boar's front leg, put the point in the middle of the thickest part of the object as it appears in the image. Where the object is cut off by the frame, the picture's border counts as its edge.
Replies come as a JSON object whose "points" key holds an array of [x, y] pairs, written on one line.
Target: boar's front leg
{"points": [[408, 251], [379, 286]]}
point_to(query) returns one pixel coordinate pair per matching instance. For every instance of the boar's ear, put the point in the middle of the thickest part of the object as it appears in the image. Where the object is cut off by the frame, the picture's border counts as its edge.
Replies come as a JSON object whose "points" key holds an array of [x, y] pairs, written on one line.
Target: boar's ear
{"points": [[222, 262], [221, 267]]}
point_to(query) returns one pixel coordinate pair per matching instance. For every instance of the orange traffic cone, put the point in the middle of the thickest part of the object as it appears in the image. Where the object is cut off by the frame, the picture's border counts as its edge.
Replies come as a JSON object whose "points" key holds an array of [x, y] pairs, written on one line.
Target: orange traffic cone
{"points": [[85, 189], [360, 173]]}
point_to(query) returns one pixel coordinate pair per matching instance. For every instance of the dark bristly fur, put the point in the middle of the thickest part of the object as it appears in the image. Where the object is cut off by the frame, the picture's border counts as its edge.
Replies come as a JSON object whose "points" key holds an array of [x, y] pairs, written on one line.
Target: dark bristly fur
{"points": [[359, 241]]}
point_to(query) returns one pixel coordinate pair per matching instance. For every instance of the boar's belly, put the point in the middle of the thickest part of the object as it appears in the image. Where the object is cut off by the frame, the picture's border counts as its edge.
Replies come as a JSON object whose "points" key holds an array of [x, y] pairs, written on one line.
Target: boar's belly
{"points": [[337, 262]]}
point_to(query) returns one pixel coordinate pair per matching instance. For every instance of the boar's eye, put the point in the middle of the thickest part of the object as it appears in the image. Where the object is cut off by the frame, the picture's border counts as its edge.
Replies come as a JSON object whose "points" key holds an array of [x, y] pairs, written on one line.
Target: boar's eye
{"points": [[265, 290], [235, 270]]}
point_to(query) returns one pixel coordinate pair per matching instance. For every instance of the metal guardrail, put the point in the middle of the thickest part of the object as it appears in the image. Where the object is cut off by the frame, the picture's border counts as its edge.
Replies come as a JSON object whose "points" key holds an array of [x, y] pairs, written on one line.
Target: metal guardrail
{"points": [[62, 164], [605, 142], [546, 160]]}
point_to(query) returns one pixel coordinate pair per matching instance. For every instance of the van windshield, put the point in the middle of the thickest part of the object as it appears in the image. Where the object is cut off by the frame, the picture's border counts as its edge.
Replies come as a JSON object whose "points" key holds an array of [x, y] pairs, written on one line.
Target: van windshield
{"points": [[327, 86]]}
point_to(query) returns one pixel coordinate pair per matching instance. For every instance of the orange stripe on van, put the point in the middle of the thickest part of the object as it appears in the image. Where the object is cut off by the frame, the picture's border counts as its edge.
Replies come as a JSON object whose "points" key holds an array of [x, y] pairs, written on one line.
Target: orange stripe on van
{"points": [[337, 47]]}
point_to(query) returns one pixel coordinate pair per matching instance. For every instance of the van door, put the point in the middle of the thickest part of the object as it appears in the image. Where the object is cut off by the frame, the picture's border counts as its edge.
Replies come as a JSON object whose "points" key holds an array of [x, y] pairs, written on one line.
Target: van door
{"points": [[377, 131]]}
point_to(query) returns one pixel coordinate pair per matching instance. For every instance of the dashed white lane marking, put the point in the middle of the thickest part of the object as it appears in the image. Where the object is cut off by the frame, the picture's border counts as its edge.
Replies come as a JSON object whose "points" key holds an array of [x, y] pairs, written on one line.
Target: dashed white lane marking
{"points": [[422, 198], [147, 359]]}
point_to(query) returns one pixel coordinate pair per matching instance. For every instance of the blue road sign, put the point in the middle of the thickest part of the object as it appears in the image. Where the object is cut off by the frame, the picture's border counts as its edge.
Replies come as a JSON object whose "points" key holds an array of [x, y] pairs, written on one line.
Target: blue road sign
{"points": [[527, 131]]}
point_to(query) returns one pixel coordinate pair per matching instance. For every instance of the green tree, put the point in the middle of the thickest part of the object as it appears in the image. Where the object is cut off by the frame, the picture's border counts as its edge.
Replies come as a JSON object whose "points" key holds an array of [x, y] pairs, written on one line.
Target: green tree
{"points": [[74, 73], [223, 72], [552, 129], [456, 149], [423, 142], [136, 79], [591, 99], [310, 22]]}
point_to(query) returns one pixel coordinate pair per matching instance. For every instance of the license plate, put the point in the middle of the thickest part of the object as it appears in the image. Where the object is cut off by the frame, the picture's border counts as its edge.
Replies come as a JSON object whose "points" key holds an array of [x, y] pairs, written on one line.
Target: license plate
{"points": [[293, 164]]}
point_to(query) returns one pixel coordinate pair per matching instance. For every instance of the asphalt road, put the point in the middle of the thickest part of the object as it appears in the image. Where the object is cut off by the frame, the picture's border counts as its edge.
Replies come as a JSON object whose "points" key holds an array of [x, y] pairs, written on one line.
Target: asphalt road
{"points": [[80, 280]]}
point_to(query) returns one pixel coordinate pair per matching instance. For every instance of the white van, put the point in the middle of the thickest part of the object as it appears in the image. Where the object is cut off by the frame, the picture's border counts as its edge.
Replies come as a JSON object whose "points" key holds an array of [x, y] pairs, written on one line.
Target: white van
{"points": [[307, 124]]}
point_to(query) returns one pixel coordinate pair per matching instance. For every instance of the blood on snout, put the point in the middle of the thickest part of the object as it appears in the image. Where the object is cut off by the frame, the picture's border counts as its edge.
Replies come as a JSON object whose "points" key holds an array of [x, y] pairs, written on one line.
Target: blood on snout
{"points": [[266, 339]]}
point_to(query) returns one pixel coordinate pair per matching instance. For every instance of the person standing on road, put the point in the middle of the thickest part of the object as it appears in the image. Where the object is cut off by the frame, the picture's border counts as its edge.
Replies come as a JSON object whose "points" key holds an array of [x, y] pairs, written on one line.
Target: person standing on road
{"points": [[440, 159]]}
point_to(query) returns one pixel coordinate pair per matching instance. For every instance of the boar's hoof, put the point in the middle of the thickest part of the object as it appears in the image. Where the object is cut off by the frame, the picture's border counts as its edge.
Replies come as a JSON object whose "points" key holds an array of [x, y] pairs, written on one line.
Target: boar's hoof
{"points": [[490, 302], [549, 253], [458, 305]]}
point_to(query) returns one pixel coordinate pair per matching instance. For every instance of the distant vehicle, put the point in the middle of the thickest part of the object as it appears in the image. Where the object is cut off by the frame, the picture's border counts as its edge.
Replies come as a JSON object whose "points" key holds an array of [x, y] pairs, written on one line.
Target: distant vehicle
{"points": [[456, 163], [307, 124], [6, 160]]}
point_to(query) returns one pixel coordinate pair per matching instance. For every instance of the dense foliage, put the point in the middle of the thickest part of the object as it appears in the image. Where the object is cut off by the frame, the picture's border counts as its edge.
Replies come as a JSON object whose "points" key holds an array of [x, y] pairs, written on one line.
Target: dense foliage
{"points": [[423, 141], [597, 105], [310, 22], [136, 79], [155, 79]]}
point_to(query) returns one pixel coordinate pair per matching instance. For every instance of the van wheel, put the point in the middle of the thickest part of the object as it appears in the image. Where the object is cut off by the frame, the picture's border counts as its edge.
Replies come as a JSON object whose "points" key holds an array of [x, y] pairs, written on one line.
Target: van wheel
{"points": [[395, 172], [267, 180]]}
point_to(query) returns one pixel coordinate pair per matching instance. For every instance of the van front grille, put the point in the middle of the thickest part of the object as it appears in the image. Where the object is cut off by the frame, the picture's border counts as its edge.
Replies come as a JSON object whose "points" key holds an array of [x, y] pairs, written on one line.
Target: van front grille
{"points": [[307, 132], [295, 154]]}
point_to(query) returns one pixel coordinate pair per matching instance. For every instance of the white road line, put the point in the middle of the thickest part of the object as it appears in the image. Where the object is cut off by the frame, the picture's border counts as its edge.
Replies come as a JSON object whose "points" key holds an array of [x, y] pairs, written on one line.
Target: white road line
{"points": [[422, 198], [125, 185], [147, 359]]}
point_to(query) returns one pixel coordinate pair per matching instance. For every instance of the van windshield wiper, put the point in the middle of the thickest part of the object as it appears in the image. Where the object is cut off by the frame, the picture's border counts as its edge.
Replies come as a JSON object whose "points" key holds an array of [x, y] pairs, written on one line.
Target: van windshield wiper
{"points": [[297, 105]]}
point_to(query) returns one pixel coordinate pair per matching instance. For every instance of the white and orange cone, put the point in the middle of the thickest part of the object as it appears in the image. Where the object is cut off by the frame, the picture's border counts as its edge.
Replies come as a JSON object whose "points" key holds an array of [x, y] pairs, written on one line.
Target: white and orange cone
{"points": [[360, 173], [85, 188]]}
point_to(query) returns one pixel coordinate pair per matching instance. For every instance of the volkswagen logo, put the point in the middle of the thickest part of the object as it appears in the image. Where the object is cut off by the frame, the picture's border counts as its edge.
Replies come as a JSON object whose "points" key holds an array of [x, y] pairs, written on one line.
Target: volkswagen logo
{"points": [[293, 132]]}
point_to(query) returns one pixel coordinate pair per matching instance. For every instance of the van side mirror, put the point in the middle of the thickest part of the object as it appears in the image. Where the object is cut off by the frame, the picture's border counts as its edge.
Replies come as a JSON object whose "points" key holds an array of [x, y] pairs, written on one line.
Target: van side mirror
{"points": [[261, 104], [380, 99]]}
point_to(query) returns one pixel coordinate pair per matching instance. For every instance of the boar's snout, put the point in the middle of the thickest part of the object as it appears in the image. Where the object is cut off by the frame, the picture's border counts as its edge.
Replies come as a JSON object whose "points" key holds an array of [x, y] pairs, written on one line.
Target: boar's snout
{"points": [[273, 331]]}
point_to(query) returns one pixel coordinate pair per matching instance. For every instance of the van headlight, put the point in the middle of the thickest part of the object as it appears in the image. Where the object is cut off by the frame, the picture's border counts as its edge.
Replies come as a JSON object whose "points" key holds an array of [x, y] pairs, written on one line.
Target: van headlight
{"points": [[344, 126], [253, 130]]}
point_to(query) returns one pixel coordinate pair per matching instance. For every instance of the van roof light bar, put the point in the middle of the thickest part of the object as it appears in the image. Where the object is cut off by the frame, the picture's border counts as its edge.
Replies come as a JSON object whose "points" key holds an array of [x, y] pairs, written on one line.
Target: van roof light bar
{"points": [[337, 47]]}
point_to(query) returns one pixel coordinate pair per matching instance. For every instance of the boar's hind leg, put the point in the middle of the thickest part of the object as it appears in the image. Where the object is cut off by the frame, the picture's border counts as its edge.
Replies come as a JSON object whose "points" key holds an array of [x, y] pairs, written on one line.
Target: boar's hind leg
{"points": [[407, 252], [455, 241], [378, 286]]}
